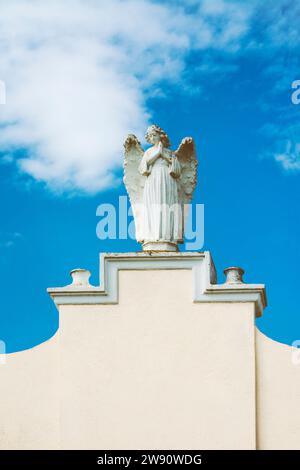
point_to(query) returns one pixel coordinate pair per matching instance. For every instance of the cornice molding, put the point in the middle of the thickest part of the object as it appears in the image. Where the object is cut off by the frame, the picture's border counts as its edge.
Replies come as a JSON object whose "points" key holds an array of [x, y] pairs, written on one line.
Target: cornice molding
{"points": [[205, 288]]}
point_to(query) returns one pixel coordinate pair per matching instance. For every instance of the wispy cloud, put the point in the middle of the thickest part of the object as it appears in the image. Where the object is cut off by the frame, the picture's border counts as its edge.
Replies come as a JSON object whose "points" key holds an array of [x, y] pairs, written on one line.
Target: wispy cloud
{"points": [[78, 74], [287, 152], [290, 159], [283, 142], [7, 240]]}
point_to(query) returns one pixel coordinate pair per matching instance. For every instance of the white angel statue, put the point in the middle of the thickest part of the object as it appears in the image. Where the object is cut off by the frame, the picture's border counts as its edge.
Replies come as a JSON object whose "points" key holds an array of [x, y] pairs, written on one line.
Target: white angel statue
{"points": [[159, 183]]}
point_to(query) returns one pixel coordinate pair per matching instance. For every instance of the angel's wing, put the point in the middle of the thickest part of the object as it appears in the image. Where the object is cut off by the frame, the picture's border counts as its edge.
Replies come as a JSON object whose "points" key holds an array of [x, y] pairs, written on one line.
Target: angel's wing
{"points": [[186, 154], [133, 180]]}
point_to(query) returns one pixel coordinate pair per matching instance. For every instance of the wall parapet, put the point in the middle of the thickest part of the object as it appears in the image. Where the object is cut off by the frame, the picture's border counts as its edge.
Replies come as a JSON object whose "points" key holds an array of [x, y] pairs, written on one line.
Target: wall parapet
{"points": [[205, 287]]}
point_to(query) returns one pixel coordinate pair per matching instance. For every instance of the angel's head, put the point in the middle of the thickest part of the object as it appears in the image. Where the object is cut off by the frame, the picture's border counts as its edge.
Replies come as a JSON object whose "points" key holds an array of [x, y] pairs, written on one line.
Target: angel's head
{"points": [[156, 134]]}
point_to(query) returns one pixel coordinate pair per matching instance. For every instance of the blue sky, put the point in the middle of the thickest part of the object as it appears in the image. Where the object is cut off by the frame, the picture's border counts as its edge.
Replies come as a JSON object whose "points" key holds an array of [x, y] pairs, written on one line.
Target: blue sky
{"points": [[79, 77]]}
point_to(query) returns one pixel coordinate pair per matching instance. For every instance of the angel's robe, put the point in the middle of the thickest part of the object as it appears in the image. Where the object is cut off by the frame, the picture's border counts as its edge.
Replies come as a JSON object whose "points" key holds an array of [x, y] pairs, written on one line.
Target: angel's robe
{"points": [[161, 217]]}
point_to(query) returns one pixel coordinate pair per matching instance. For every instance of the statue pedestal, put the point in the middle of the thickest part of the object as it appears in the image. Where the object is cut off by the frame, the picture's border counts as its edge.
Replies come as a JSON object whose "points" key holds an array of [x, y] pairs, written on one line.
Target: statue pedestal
{"points": [[160, 246], [158, 357]]}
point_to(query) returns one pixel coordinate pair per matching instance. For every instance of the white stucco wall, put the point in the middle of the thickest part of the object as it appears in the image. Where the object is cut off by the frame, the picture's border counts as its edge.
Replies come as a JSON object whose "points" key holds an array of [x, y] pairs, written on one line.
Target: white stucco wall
{"points": [[154, 371], [29, 405], [157, 370], [278, 392]]}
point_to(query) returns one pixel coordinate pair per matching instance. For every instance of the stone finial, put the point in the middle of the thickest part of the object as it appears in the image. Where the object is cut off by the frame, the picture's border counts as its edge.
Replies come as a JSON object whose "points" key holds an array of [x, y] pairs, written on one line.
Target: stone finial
{"points": [[234, 275], [80, 277]]}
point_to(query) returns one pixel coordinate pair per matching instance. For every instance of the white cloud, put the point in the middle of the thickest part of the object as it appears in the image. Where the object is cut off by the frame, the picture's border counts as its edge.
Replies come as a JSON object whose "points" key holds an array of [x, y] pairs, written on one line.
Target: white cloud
{"points": [[283, 141], [290, 157], [78, 73], [7, 240]]}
